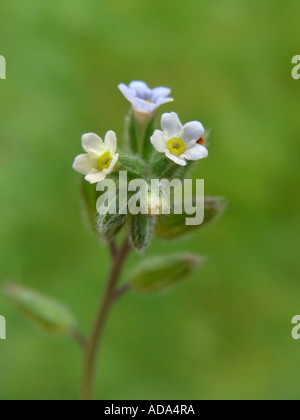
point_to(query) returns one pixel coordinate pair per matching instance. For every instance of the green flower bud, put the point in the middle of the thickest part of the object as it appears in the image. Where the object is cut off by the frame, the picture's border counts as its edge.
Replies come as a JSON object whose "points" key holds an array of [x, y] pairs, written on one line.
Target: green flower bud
{"points": [[48, 315], [148, 148], [110, 225], [89, 198], [131, 133], [174, 226], [132, 164], [142, 230], [111, 217], [157, 274], [164, 167]]}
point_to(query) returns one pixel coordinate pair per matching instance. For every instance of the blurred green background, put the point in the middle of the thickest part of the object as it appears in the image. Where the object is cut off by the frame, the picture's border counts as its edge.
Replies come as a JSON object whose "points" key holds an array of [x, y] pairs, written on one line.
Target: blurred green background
{"points": [[225, 334]]}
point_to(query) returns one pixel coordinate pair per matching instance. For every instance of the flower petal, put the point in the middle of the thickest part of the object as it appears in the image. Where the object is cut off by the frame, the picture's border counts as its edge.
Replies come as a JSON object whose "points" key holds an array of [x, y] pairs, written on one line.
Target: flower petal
{"points": [[141, 89], [111, 142], [127, 92], [92, 143], [160, 92], [177, 160], [95, 176], [84, 163], [171, 124], [162, 101], [159, 141], [196, 152], [192, 131], [140, 105], [112, 164]]}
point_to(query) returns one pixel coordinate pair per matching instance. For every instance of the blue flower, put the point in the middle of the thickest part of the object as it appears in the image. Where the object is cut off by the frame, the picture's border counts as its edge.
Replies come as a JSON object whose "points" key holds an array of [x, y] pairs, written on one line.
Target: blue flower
{"points": [[144, 100]]}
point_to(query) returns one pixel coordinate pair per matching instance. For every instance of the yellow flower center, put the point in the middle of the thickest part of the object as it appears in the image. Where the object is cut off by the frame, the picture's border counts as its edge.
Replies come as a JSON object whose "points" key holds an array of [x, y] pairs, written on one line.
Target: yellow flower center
{"points": [[104, 161], [176, 146]]}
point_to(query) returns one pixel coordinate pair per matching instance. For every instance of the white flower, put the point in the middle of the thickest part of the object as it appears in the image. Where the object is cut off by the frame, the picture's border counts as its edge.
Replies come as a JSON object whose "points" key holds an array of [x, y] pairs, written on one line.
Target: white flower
{"points": [[180, 143], [144, 100], [100, 158]]}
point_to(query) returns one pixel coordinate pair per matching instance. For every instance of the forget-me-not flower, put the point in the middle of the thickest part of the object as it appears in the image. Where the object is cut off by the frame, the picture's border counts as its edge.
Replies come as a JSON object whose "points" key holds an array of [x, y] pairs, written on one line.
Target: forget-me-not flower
{"points": [[100, 158], [144, 100], [180, 143]]}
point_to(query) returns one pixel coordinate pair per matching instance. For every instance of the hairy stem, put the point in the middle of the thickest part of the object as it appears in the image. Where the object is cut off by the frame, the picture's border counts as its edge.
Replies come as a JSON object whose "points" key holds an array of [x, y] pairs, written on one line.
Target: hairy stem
{"points": [[100, 323]]}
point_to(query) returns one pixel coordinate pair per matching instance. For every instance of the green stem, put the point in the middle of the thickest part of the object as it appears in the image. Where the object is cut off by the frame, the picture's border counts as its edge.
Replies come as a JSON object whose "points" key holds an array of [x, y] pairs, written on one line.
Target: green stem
{"points": [[79, 338], [100, 323], [113, 249], [118, 293]]}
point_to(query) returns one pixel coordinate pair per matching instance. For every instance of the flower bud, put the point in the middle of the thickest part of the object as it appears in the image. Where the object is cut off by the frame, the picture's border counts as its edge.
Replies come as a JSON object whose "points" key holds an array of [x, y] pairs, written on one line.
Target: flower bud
{"points": [[174, 226], [132, 164], [110, 219], [147, 145], [89, 199], [110, 225], [157, 274], [48, 315], [141, 232], [131, 133]]}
